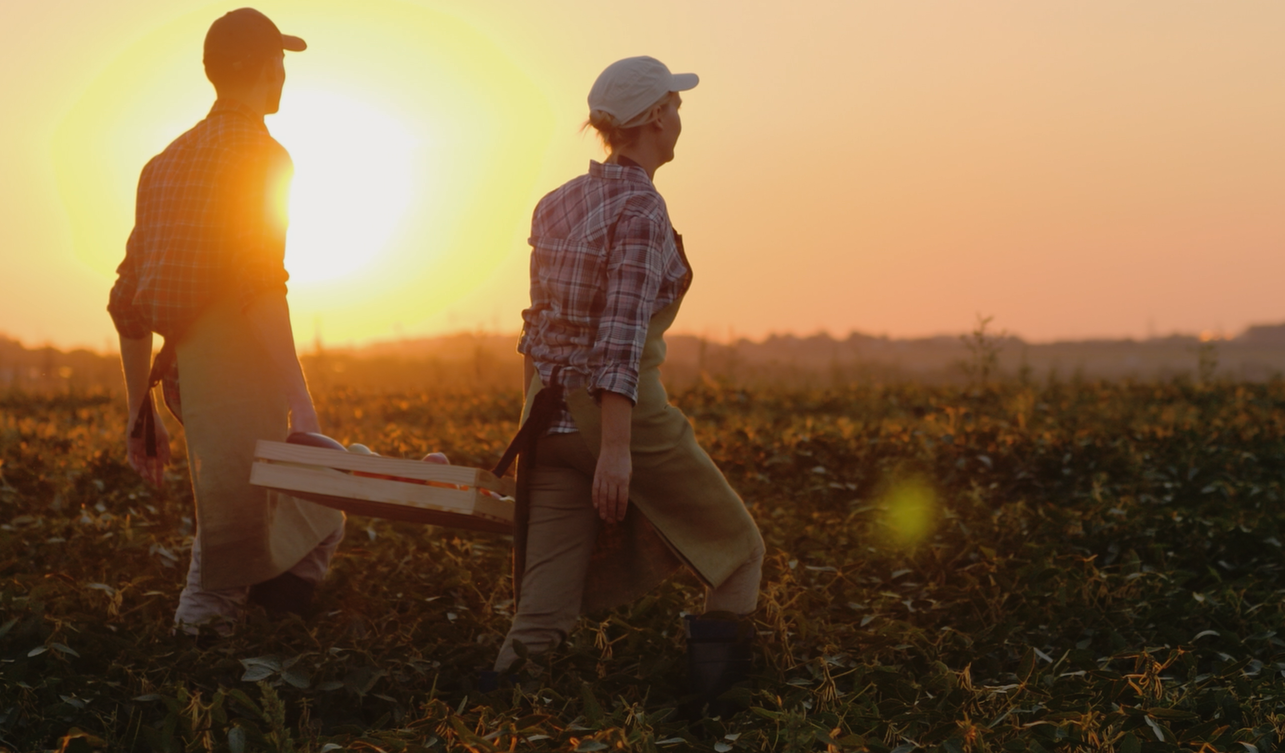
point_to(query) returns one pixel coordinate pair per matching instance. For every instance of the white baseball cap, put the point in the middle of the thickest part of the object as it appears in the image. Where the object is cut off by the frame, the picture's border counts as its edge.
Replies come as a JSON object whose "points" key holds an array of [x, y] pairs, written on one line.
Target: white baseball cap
{"points": [[627, 88]]}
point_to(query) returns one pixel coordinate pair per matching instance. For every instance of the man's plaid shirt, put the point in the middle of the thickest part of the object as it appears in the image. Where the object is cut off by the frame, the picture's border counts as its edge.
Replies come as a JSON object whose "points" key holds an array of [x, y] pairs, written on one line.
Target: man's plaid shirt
{"points": [[209, 221], [604, 259]]}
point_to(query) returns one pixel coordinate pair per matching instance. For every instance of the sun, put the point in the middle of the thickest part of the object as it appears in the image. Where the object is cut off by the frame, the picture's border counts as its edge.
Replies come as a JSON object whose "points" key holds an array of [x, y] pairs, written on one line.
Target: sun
{"points": [[354, 178]]}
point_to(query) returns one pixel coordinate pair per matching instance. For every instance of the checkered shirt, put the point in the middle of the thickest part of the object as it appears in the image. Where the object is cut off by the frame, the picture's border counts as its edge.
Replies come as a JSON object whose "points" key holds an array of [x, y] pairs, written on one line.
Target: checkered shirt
{"points": [[209, 221], [604, 259]]}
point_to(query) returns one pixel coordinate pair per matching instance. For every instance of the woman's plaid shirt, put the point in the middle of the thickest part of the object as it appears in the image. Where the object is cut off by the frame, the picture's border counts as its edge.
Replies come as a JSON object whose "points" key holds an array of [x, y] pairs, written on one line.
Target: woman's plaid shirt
{"points": [[209, 221], [604, 259]]}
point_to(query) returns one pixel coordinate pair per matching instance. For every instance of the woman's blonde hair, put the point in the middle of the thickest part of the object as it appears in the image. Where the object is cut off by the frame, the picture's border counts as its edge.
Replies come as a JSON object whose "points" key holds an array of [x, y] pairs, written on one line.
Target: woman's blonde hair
{"points": [[614, 135]]}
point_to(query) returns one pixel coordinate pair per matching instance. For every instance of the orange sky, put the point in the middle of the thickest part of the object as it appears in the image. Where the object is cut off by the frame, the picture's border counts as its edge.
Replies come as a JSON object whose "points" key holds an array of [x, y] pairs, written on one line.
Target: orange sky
{"points": [[1096, 168]]}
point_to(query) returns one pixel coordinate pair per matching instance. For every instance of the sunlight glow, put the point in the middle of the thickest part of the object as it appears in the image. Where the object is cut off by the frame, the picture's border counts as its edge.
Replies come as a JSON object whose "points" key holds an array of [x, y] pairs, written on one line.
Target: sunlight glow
{"points": [[354, 180], [910, 512]]}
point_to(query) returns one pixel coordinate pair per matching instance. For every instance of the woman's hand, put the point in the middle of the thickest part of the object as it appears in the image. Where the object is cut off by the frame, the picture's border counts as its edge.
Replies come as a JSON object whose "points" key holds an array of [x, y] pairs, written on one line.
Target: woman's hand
{"points": [[615, 463], [611, 483], [151, 469]]}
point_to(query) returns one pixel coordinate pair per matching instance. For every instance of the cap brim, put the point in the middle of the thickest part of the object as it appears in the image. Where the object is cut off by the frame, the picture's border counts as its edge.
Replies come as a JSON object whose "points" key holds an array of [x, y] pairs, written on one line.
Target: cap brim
{"points": [[681, 82], [296, 44]]}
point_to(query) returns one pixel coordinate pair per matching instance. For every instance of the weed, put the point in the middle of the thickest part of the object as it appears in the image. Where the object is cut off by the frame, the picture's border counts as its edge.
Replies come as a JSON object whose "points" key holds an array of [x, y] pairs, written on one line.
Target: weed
{"points": [[1094, 566]]}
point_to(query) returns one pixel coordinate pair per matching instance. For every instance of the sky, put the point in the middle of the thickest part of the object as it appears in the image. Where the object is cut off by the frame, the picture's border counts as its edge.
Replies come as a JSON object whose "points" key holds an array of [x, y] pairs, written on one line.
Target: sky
{"points": [[1074, 170]]}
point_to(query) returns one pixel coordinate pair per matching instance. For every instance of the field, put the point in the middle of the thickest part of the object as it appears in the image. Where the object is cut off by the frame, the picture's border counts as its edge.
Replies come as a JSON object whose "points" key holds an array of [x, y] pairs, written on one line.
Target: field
{"points": [[1062, 565]]}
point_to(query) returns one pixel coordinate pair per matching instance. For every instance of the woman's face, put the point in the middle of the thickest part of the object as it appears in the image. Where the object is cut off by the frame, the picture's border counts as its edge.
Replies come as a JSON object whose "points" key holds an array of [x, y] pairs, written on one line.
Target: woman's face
{"points": [[670, 124]]}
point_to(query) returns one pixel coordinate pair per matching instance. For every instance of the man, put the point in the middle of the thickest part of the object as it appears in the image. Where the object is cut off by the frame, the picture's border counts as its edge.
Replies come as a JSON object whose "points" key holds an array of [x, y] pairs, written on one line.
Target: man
{"points": [[204, 268]]}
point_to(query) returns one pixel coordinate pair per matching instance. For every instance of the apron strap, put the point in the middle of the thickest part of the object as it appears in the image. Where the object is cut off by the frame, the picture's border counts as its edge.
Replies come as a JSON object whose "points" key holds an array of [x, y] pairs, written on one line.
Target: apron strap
{"points": [[544, 410]]}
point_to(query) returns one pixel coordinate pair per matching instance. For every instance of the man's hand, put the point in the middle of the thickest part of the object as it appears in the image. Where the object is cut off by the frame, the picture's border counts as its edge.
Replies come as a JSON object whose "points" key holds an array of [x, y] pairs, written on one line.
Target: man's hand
{"points": [[611, 483], [303, 417], [151, 469]]}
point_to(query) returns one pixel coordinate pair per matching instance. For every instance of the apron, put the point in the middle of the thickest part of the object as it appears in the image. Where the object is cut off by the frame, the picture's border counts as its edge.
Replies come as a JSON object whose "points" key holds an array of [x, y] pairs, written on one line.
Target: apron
{"points": [[232, 397], [681, 508]]}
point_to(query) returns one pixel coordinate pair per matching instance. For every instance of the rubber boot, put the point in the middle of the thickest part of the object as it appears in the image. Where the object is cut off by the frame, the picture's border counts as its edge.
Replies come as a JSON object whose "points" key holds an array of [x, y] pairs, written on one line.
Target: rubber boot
{"points": [[285, 594], [719, 655]]}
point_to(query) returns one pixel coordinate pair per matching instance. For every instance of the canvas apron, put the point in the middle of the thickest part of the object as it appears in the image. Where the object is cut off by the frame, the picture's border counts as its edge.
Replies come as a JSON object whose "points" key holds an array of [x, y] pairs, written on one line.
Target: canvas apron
{"points": [[233, 397], [681, 508]]}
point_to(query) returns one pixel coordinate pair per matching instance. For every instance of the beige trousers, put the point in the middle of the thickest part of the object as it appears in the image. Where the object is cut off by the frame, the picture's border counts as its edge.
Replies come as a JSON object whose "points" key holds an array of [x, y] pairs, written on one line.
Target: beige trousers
{"points": [[560, 540], [221, 608]]}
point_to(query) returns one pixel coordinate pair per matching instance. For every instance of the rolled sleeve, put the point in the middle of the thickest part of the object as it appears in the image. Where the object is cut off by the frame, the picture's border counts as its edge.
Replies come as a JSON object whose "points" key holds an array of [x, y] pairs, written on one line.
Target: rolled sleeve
{"points": [[128, 319], [634, 275]]}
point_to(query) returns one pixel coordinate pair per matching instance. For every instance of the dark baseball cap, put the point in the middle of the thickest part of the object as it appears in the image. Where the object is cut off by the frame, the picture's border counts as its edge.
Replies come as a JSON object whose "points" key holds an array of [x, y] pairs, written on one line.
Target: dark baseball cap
{"points": [[246, 36]]}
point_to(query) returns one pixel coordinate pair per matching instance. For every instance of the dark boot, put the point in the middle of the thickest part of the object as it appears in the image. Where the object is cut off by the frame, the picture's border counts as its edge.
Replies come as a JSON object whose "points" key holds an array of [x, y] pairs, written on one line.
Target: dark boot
{"points": [[285, 594], [488, 680], [719, 655]]}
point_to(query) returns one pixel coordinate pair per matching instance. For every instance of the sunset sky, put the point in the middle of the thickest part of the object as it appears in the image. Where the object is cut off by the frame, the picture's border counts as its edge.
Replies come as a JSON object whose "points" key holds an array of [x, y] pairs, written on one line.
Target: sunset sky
{"points": [[1095, 168]]}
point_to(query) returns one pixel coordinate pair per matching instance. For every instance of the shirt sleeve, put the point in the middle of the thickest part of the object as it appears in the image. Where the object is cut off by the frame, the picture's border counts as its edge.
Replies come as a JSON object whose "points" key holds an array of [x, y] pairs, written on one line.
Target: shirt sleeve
{"points": [[634, 274], [126, 316], [262, 193]]}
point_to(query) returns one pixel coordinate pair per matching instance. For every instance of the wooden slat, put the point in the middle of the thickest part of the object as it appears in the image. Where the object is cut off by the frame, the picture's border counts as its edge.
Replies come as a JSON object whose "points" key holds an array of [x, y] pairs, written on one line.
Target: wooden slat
{"points": [[292, 479], [409, 514], [410, 469]]}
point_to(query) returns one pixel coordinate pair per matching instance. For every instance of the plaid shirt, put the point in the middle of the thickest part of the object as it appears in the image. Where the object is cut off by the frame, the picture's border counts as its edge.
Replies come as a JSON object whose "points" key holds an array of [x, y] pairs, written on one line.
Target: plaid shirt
{"points": [[209, 221], [604, 259]]}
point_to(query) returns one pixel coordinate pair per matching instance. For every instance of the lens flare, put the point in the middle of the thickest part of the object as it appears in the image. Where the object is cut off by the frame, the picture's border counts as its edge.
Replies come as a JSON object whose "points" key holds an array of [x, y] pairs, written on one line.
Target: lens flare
{"points": [[910, 512]]}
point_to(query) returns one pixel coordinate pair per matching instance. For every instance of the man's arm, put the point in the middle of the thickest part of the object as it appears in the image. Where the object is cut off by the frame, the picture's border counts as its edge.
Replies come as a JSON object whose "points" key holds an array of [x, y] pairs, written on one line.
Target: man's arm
{"points": [[136, 360], [269, 316]]}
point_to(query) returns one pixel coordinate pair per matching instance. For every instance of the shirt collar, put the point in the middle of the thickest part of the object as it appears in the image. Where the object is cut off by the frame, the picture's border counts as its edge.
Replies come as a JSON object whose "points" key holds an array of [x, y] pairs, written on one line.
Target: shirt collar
{"points": [[233, 107], [631, 172]]}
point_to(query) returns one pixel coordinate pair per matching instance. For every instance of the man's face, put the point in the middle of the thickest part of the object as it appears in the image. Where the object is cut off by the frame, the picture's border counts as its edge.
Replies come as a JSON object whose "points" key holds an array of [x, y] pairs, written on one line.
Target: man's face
{"points": [[274, 78]]}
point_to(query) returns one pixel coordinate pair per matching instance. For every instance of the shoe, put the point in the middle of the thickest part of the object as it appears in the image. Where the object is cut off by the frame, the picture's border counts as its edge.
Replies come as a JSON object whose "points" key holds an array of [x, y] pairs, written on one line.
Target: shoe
{"points": [[719, 655], [285, 594], [489, 680]]}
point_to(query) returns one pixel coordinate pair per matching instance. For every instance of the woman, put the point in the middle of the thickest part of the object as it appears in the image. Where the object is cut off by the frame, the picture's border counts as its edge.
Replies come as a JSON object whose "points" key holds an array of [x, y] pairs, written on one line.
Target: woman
{"points": [[618, 493]]}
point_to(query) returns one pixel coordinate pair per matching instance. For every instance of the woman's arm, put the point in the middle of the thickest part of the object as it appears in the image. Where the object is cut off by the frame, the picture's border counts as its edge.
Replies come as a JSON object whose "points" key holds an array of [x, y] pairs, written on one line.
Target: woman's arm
{"points": [[615, 464], [528, 371]]}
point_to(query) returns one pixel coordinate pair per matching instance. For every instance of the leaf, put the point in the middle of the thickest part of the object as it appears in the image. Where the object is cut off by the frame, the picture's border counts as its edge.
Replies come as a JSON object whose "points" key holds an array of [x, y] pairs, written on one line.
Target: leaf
{"points": [[589, 745], [63, 648], [236, 740], [1166, 713], [257, 672], [1156, 728], [722, 747], [269, 662], [362, 680], [297, 678], [37, 651], [1027, 665], [329, 747]]}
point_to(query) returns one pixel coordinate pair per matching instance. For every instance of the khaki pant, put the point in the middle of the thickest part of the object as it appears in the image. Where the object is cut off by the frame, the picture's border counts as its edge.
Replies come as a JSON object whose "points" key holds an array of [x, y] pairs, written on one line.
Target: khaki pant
{"points": [[221, 608], [560, 541]]}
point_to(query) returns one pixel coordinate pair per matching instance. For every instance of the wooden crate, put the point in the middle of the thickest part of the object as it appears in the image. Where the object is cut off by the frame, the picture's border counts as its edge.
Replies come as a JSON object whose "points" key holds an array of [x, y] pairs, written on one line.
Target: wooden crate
{"points": [[410, 490]]}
